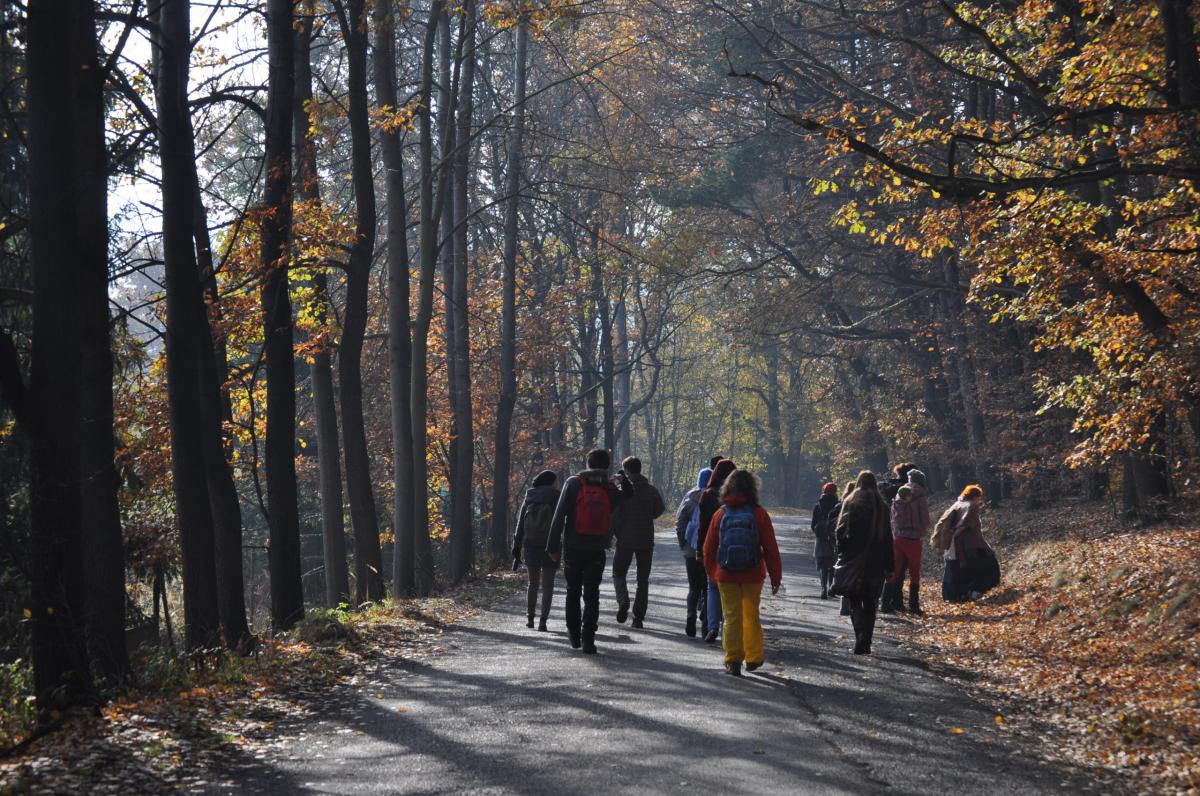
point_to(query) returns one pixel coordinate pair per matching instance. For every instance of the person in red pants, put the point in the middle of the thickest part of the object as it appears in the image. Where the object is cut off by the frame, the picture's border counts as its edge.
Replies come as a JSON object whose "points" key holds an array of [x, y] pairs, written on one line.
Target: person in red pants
{"points": [[910, 524]]}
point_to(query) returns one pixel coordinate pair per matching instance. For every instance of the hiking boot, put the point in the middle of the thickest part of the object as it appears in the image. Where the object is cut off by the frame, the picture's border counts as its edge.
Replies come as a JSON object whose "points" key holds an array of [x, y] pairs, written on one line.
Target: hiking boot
{"points": [[589, 646], [622, 613], [887, 605], [530, 622], [690, 627], [637, 623], [752, 665], [711, 636], [574, 635], [914, 601], [734, 668], [542, 626]]}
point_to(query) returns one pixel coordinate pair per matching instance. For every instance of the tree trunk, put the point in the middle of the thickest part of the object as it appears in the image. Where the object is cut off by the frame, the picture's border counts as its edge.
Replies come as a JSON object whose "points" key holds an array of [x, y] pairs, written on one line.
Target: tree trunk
{"points": [[508, 312], [606, 346], [368, 558], [624, 376], [462, 532], [283, 549], [60, 37], [423, 552], [329, 464], [184, 347], [399, 332]]}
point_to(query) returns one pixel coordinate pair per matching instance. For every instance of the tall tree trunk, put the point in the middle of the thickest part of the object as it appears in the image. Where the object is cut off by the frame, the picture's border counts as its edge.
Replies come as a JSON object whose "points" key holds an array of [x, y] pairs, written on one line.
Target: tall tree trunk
{"points": [[283, 551], [329, 462], [462, 531], [624, 375], [368, 558], [399, 331], [184, 347], [508, 312], [423, 552], [61, 37], [606, 346]]}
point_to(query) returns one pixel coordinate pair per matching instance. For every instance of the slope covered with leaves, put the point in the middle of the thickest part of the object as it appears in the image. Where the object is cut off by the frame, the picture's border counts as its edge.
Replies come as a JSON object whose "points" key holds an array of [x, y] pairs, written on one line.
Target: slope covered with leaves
{"points": [[1092, 640]]}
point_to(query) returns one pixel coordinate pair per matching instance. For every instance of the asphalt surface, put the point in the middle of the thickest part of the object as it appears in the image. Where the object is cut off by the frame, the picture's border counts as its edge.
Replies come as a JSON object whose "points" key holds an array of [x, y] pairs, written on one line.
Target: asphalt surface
{"points": [[509, 710]]}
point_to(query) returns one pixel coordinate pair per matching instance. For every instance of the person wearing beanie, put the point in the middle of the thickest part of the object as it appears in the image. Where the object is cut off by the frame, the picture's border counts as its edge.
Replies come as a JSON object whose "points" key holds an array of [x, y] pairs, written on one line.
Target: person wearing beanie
{"points": [[824, 520], [910, 524], [697, 598], [529, 543]]}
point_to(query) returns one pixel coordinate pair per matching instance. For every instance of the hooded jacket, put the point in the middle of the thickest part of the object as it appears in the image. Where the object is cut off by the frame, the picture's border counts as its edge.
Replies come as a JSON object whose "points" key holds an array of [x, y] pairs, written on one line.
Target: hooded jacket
{"points": [[562, 527], [769, 562], [683, 515], [968, 535], [710, 500], [910, 518], [825, 507], [535, 516], [633, 521]]}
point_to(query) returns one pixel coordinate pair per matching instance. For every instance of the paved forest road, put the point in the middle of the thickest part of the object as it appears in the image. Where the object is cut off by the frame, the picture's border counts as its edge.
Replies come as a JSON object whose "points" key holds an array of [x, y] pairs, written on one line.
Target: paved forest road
{"points": [[510, 710]]}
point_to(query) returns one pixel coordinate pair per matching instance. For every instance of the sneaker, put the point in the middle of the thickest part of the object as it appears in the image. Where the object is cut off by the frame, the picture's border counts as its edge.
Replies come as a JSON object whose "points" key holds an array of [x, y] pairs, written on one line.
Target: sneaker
{"points": [[690, 627], [752, 665], [622, 613], [710, 637], [637, 623], [734, 668], [589, 647]]}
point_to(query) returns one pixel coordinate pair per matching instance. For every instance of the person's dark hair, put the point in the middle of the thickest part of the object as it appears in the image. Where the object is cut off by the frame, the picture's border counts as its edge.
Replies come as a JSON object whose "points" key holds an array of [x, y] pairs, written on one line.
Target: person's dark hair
{"points": [[598, 459], [545, 478], [720, 473], [901, 470], [741, 482], [632, 465], [712, 463], [849, 488], [866, 480]]}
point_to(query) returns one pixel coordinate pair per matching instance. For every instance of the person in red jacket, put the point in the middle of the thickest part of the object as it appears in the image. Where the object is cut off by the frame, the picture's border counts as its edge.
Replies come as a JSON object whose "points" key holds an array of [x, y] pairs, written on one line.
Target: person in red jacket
{"points": [[739, 552]]}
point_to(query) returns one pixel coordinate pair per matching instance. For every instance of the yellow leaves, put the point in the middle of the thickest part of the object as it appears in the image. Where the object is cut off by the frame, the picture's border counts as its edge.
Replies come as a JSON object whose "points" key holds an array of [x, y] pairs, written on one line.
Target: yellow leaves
{"points": [[957, 730]]}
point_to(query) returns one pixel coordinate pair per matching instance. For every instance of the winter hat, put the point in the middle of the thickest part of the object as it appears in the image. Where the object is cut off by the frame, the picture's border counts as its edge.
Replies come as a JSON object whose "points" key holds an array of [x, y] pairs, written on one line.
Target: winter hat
{"points": [[721, 472], [917, 477], [702, 479], [545, 478], [829, 489], [904, 492]]}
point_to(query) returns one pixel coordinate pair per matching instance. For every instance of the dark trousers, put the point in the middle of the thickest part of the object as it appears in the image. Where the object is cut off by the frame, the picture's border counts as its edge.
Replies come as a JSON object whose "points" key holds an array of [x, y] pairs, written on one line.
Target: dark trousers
{"points": [[825, 572], [697, 598], [862, 612], [541, 574], [621, 562], [583, 570]]}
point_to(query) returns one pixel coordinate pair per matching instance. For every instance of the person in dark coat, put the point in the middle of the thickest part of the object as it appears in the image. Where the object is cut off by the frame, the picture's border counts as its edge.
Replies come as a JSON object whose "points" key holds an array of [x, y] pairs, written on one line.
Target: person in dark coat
{"points": [[837, 510], [529, 542], [864, 529], [710, 501], [823, 523], [697, 599], [584, 550], [633, 526]]}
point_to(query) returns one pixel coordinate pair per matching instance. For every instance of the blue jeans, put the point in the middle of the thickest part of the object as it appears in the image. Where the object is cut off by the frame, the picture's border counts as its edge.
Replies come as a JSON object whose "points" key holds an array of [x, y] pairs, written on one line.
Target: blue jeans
{"points": [[714, 606]]}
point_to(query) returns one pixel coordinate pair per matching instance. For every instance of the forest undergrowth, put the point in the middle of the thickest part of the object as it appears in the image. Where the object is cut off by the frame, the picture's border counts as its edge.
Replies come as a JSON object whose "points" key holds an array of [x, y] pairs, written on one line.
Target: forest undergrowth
{"points": [[200, 719], [1091, 644]]}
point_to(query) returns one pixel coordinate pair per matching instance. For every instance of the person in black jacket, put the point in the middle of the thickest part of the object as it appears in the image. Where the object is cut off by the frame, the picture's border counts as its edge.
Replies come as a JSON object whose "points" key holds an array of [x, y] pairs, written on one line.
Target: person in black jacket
{"points": [[580, 534], [633, 527], [710, 501], [824, 520], [864, 540], [529, 542]]}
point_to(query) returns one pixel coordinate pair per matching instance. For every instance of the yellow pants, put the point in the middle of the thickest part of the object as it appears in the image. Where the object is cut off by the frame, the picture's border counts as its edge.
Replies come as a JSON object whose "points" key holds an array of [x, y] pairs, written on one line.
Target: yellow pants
{"points": [[743, 633]]}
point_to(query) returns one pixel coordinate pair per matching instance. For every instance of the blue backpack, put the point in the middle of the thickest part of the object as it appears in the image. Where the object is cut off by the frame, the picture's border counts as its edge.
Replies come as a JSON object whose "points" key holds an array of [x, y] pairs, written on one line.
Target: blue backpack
{"points": [[738, 545], [691, 534]]}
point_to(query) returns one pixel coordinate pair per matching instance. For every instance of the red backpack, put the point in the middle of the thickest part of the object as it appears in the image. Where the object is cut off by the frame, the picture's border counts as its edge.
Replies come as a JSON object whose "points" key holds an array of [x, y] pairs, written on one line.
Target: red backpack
{"points": [[592, 509]]}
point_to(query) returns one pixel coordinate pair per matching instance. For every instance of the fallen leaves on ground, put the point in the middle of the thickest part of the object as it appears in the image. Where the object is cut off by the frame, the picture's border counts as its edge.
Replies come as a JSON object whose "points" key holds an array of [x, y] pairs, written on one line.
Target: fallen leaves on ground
{"points": [[1091, 637], [201, 721]]}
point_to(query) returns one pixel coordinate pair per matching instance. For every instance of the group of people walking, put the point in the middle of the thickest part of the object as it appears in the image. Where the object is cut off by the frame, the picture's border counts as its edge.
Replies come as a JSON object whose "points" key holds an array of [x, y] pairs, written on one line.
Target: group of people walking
{"points": [[868, 539]]}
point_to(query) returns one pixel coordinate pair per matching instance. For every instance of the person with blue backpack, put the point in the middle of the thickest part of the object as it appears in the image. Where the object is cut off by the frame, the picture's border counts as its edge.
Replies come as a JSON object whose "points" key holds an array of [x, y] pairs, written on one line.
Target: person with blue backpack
{"points": [[740, 552], [580, 535], [687, 523], [707, 506]]}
